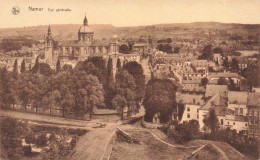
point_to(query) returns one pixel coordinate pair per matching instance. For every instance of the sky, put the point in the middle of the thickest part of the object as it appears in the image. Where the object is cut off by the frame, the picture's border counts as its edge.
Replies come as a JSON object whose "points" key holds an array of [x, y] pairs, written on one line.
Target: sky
{"points": [[128, 12]]}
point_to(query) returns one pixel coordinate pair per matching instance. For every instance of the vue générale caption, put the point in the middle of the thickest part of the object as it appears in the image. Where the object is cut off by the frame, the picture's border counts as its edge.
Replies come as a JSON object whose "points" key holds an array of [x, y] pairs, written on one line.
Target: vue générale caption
{"points": [[37, 9]]}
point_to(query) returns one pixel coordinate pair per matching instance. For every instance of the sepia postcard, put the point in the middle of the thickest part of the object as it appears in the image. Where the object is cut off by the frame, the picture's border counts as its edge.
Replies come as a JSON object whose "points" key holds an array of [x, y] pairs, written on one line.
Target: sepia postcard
{"points": [[129, 80]]}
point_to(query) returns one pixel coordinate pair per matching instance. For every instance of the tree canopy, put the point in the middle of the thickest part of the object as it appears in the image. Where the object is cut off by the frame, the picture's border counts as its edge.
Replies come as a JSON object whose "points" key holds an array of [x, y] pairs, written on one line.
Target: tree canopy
{"points": [[159, 97]]}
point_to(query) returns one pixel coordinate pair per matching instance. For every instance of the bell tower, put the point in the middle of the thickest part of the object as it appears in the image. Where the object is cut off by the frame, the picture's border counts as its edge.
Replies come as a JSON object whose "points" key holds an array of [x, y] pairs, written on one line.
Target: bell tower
{"points": [[48, 46]]}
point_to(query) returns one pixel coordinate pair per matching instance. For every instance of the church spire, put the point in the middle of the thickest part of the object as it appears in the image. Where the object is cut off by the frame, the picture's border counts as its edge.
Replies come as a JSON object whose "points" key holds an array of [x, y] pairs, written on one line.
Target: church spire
{"points": [[49, 30], [85, 22]]}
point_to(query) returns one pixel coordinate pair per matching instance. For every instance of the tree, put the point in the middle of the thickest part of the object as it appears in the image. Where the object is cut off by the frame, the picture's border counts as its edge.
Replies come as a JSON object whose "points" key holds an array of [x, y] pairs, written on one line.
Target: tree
{"points": [[45, 69], [169, 40], [136, 70], [186, 131], [67, 67], [207, 53], [226, 64], [109, 90], [119, 102], [36, 66], [211, 123], [204, 81], [234, 67], [118, 65], [218, 50], [222, 81], [58, 66], [159, 97], [125, 87], [15, 69], [10, 131], [23, 68], [123, 49]]}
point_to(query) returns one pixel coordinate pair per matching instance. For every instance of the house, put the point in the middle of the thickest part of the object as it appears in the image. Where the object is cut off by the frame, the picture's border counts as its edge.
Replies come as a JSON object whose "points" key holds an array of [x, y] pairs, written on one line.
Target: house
{"points": [[156, 118], [192, 103], [212, 90], [253, 115], [237, 101]]}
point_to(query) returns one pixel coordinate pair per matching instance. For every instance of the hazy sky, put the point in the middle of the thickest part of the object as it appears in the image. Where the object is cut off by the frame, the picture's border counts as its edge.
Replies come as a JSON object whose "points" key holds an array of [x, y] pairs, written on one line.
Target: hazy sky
{"points": [[129, 12]]}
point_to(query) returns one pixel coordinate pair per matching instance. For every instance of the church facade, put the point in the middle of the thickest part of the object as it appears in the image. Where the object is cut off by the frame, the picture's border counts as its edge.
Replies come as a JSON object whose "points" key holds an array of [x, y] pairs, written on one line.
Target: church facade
{"points": [[72, 51], [85, 46]]}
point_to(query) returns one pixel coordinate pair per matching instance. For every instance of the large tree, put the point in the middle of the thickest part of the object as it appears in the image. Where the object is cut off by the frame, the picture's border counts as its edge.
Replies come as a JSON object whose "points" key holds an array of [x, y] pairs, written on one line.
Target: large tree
{"points": [[58, 66], [207, 53], [211, 123], [159, 98], [15, 69], [136, 70], [23, 67], [125, 87]]}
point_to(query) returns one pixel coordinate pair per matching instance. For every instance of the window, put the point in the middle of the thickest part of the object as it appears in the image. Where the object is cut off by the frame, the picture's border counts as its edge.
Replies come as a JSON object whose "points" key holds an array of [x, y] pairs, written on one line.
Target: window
{"points": [[256, 122], [252, 122], [188, 109], [241, 110], [193, 100], [234, 123], [246, 124], [227, 122], [188, 115], [221, 122], [252, 113], [197, 116]]}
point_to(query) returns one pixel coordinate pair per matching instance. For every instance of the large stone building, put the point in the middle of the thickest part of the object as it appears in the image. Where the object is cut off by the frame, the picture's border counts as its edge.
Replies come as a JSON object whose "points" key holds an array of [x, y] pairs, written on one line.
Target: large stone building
{"points": [[73, 51]]}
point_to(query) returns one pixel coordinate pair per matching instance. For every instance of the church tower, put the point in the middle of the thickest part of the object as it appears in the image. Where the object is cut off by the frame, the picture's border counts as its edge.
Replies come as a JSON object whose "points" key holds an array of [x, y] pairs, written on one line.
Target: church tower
{"points": [[48, 47], [85, 34]]}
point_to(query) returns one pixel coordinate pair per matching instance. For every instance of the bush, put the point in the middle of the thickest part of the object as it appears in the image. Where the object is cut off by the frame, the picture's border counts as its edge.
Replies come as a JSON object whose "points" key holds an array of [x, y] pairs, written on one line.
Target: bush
{"points": [[79, 132], [185, 131], [73, 142], [41, 140]]}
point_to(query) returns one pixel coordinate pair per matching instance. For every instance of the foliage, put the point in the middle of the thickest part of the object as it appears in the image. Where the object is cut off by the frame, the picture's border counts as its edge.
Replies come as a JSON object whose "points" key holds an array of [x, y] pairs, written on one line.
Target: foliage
{"points": [[23, 67], [159, 97], [222, 81], [242, 143], [206, 53], [15, 69], [184, 132], [41, 140], [58, 66], [165, 48], [10, 131], [124, 92], [204, 81], [118, 65], [234, 67], [211, 123], [218, 50], [137, 72], [124, 49]]}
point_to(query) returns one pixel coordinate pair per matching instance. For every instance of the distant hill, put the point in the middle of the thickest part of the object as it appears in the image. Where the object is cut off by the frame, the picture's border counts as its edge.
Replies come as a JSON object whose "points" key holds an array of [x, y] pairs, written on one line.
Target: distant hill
{"points": [[69, 31]]}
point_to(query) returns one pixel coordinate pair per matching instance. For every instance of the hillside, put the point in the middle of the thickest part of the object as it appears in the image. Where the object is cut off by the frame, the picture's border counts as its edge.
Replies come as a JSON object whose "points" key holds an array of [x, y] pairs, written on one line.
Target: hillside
{"points": [[188, 30]]}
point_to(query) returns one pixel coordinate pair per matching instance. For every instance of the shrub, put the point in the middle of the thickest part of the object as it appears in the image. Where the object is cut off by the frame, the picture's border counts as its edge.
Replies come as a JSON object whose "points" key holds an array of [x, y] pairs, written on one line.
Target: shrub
{"points": [[185, 131], [41, 140], [79, 132], [73, 142]]}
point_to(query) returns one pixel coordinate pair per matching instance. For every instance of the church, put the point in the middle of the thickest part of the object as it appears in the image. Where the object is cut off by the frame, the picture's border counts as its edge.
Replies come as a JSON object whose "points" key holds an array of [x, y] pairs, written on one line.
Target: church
{"points": [[72, 51], [85, 46]]}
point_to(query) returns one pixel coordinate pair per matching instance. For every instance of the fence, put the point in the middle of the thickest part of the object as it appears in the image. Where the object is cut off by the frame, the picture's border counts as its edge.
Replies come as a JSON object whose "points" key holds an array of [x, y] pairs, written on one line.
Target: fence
{"points": [[48, 111]]}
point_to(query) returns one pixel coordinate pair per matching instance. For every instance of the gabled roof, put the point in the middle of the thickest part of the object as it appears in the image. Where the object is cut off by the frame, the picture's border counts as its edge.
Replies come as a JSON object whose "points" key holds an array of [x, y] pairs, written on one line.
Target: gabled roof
{"points": [[186, 98], [236, 97], [211, 90], [254, 99]]}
